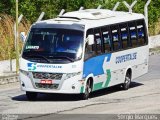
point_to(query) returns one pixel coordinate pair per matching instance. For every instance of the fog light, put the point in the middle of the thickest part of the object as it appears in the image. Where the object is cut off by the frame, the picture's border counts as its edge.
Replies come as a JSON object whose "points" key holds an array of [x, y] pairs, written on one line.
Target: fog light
{"points": [[73, 87], [23, 85]]}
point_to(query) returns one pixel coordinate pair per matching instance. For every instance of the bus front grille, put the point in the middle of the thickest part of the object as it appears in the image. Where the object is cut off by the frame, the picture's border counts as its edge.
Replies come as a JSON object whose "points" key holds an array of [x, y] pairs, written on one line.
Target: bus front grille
{"points": [[42, 75], [46, 86]]}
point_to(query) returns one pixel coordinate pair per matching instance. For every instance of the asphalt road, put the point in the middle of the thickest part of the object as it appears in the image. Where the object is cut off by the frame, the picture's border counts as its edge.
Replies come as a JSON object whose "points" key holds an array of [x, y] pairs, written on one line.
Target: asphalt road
{"points": [[142, 98]]}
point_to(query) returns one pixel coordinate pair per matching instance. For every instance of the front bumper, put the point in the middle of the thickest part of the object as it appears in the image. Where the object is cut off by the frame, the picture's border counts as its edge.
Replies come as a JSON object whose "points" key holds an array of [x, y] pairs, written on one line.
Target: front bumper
{"points": [[68, 86]]}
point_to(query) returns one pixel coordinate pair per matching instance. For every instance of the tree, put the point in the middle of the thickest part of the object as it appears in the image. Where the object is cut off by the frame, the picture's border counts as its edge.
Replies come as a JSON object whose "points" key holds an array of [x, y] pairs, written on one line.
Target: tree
{"points": [[32, 9]]}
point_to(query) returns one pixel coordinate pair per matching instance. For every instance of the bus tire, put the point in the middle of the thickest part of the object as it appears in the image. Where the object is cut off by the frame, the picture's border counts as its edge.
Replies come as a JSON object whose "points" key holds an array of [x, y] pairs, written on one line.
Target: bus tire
{"points": [[87, 91], [127, 81], [31, 96]]}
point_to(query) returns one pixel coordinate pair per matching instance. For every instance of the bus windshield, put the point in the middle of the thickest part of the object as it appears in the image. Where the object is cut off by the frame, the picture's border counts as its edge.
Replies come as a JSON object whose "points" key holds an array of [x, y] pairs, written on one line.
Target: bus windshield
{"points": [[53, 45]]}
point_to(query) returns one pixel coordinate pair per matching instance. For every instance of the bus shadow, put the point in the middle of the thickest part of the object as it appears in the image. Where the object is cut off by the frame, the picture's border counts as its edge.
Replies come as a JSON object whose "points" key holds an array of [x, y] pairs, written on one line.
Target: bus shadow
{"points": [[49, 97], [113, 89], [73, 97]]}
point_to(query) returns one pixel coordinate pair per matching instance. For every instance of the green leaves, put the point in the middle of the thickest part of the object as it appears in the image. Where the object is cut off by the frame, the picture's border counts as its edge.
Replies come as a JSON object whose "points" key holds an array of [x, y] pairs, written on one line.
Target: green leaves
{"points": [[32, 9]]}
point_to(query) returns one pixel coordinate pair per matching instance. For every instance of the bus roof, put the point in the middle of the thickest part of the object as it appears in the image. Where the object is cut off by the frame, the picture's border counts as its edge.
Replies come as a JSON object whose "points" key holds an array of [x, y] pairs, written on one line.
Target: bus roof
{"points": [[91, 18]]}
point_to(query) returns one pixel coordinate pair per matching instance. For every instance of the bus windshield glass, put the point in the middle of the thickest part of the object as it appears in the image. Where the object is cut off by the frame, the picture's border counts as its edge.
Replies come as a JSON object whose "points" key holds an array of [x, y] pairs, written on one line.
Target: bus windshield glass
{"points": [[53, 45]]}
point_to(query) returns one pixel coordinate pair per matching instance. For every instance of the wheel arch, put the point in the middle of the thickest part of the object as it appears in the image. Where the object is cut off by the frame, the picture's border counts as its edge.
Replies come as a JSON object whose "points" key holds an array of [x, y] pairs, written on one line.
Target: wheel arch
{"points": [[91, 82], [129, 70], [91, 78]]}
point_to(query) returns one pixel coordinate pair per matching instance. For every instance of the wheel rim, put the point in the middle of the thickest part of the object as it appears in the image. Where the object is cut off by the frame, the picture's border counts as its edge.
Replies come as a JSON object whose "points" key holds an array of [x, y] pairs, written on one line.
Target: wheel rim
{"points": [[88, 89], [127, 81]]}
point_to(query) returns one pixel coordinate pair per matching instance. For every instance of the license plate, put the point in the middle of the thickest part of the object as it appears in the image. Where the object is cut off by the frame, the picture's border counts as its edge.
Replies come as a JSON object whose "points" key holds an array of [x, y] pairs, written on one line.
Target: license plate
{"points": [[46, 82]]}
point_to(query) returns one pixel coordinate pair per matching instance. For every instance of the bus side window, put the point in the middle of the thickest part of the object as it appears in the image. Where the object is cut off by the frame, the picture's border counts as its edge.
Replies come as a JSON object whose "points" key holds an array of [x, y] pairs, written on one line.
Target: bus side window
{"points": [[90, 50], [133, 34], [107, 39], [141, 32], [124, 36], [115, 38], [98, 41]]}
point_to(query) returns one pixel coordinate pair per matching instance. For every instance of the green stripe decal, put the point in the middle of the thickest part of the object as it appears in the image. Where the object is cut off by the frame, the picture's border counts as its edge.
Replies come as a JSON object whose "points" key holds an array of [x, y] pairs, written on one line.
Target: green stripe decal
{"points": [[108, 78], [82, 89], [97, 86]]}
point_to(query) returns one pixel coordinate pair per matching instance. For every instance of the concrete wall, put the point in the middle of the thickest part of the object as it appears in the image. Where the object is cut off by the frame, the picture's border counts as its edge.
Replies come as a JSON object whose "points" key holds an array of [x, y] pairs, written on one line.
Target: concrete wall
{"points": [[5, 67], [154, 41], [8, 79]]}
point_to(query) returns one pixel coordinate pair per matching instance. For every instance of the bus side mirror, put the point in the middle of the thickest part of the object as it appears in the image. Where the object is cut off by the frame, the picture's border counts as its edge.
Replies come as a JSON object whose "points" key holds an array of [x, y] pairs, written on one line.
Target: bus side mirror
{"points": [[90, 39], [23, 36]]}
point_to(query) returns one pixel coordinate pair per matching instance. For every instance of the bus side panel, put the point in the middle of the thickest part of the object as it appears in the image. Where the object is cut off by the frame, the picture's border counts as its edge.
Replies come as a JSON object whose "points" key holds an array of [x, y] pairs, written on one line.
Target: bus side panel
{"points": [[95, 66], [136, 59], [141, 67], [110, 69]]}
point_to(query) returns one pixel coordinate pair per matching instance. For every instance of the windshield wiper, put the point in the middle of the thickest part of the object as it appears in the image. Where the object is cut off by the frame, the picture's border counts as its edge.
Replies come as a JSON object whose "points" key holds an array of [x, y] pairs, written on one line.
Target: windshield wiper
{"points": [[61, 57], [39, 56]]}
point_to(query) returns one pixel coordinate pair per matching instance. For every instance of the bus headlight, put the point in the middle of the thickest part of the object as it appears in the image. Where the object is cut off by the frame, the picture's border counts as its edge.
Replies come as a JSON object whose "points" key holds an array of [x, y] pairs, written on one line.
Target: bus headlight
{"points": [[69, 75], [26, 73]]}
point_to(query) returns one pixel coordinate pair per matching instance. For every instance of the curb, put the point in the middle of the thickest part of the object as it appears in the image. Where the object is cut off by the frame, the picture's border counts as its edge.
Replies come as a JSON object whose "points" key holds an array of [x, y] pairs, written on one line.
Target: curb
{"points": [[8, 79], [154, 53]]}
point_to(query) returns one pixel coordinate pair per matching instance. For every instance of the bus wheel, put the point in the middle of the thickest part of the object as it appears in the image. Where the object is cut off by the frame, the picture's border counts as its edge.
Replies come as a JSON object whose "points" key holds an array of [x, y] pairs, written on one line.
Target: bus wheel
{"points": [[31, 96], [127, 81], [88, 90]]}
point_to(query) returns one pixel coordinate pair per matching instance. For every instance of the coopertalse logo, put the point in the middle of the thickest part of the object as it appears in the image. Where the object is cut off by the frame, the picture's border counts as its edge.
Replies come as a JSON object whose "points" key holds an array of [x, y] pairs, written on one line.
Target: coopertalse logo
{"points": [[49, 66], [34, 66], [125, 58]]}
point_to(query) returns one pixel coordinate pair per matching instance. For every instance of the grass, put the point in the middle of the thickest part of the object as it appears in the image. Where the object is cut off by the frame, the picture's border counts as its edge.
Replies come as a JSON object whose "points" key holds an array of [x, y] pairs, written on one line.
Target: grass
{"points": [[154, 29], [156, 49], [7, 48]]}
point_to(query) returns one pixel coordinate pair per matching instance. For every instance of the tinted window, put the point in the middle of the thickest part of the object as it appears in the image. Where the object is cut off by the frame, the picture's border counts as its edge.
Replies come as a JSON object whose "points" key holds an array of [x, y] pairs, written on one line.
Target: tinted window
{"points": [[107, 39], [124, 35], [141, 32], [54, 42], [89, 49], [98, 41], [118, 37], [115, 38], [133, 34]]}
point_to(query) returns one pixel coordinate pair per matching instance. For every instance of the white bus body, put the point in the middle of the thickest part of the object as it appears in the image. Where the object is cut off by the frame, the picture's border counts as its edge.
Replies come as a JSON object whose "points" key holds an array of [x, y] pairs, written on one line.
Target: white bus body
{"points": [[120, 51]]}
